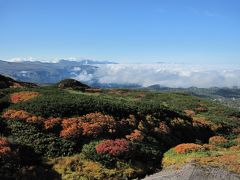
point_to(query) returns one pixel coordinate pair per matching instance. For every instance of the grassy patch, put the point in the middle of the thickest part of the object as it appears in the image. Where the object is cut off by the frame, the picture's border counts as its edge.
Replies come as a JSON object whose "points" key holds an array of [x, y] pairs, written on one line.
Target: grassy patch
{"points": [[228, 158], [76, 167]]}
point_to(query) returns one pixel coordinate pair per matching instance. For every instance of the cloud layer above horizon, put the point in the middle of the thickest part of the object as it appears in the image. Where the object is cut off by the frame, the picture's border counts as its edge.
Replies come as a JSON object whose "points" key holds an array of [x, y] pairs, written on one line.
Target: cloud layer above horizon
{"points": [[170, 75]]}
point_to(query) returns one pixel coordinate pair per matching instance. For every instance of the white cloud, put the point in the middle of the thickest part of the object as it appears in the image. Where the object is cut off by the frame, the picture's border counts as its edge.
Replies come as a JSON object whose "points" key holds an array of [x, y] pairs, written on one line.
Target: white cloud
{"points": [[171, 75], [81, 74], [33, 59]]}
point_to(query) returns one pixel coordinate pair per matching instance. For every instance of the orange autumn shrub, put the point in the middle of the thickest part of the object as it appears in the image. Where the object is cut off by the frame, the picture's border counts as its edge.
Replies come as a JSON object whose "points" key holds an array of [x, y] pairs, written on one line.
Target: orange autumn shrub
{"points": [[113, 147], [21, 115], [70, 127], [52, 122], [136, 135], [4, 147], [92, 124], [23, 96], [216, 140], [97, 123], [235, 148], [187, 148], [91, 129], [189, 112], [209, 147], [15, 114]]}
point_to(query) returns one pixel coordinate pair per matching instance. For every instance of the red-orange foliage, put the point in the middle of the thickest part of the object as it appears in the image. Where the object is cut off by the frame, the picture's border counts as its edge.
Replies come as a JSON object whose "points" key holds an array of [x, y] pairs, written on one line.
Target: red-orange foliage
{"points": [[91, 129], [186, 148], [136, 135], [92, 124], [21, 115], [113, 147], [217, 140], [52, 122], [23, 96], [71, 127], [96, 123], [4, 147]]}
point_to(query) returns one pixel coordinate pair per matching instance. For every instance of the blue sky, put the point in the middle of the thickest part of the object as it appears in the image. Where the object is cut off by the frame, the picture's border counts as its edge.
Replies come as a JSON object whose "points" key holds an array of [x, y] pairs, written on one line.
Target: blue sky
{"points": [[127, 31]]}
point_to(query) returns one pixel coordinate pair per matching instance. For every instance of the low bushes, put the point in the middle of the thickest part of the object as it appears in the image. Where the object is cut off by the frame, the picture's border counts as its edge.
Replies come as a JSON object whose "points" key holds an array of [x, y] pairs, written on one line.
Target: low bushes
{"points": [[112, 132], [136, 135], [118, 147], [67, 105], [147, 152], [217, 140], [89, 125], [77, 167], [89, 152], [222, 142], [209, 155], [187, 148], [107, 152], [45, 144], [18, 161], [23, 96], [21, 115]]}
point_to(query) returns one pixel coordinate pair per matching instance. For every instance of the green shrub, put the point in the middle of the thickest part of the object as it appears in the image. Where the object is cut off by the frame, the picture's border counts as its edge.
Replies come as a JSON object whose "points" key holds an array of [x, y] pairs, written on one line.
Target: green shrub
{"points": [[227, 144], [89, 152], [66, 105], [45, 144], [146, 152]]}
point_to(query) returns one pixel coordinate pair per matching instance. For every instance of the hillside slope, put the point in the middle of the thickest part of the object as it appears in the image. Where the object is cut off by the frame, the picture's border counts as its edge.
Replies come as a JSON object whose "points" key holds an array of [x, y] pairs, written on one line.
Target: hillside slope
{"points": [[108, 134], [6, 82]]}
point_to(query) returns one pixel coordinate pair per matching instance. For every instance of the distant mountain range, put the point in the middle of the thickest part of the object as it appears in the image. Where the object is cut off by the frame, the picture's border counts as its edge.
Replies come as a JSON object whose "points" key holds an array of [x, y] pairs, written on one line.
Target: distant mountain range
{"points": [[44, 72], [108, 74], [49, 73]]}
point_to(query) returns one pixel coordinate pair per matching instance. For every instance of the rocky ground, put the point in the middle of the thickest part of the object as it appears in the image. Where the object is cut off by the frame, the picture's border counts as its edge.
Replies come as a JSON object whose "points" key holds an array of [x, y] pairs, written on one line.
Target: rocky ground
{"points": [[192, 171]]}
